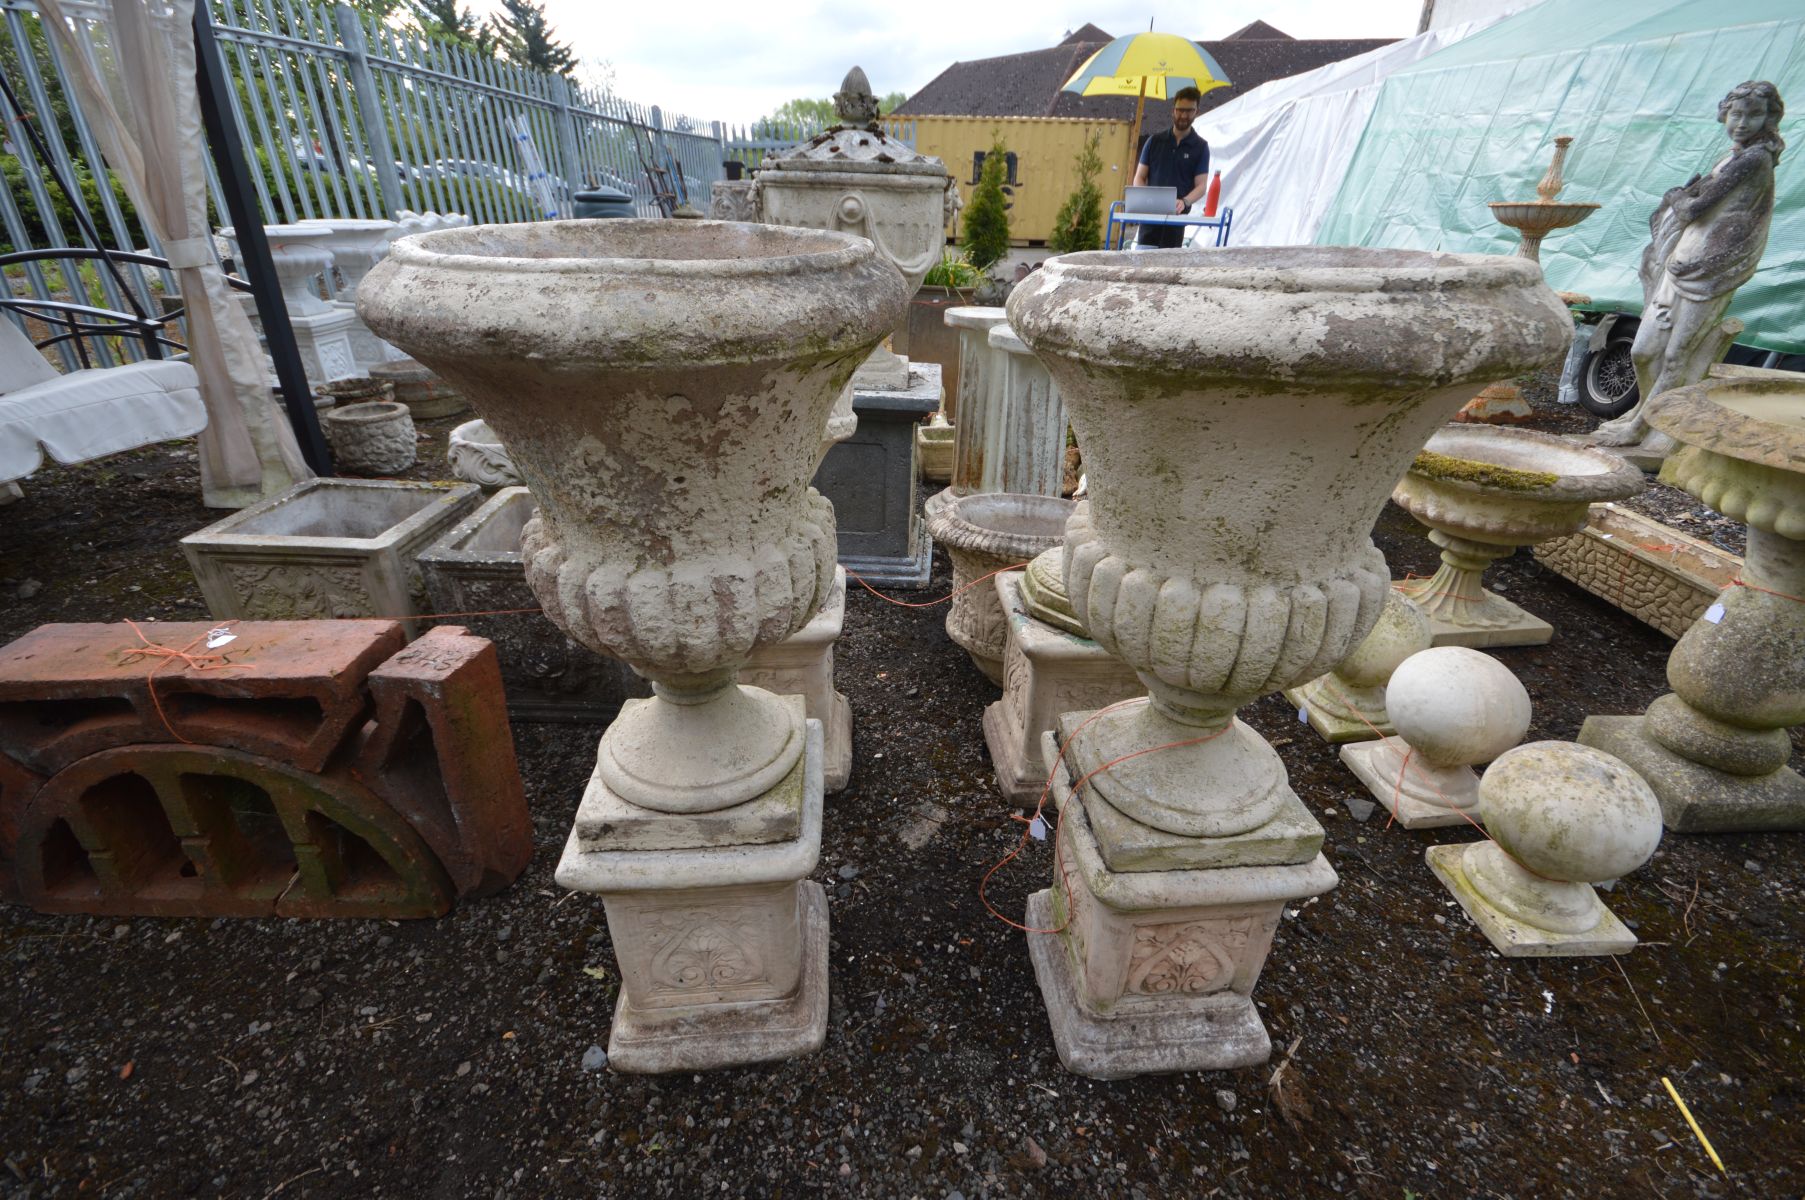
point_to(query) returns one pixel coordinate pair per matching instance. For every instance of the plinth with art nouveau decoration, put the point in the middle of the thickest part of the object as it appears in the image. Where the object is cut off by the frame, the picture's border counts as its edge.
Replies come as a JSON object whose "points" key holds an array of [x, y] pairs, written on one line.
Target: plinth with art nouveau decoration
{"points": [[661, 387], [1242, 416]]}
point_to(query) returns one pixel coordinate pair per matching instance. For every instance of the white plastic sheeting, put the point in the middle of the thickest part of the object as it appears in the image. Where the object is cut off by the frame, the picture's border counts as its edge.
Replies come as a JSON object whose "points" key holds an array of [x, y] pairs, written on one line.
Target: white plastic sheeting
{"points": [[1284, 147]]}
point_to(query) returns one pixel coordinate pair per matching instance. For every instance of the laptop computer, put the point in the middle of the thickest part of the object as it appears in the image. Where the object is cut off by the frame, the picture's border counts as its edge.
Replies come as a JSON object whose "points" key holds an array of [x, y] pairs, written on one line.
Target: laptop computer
{"points": [[1161, 200]]}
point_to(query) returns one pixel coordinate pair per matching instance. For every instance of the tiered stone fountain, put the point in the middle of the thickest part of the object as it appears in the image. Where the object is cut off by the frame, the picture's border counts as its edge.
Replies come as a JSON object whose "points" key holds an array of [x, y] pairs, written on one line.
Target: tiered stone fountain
{"points": [[1715, 750], [1483, 492], [1533, 220], [661, 387], [1214, 384]]}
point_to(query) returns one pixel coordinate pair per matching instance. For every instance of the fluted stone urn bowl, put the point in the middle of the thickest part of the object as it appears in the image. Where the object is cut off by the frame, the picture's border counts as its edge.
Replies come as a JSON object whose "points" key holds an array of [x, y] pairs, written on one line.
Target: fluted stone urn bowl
{"points": [[1243, 414], [661, 387]]}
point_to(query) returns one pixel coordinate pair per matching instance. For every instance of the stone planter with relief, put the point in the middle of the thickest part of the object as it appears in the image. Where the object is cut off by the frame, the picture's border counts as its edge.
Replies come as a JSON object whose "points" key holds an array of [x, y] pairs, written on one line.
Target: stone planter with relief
{"points": [[326, 548]]}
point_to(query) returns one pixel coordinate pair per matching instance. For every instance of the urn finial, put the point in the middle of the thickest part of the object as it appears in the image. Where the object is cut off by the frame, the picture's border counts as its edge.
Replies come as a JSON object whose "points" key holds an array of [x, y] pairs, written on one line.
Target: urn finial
{"points": [[854, 102]]}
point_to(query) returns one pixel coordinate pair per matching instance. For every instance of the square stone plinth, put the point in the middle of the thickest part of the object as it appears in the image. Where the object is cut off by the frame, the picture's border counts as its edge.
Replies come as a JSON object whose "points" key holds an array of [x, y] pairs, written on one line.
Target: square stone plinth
{"points": [[1046, 672], [476, 568], [1332, 728], [606, 822], [1124, 844], [1699, 799], [1377, 768], [327, 548], [722, 951], [1506, 624], [1154, 971], [324, 340], [1514, 939], [872, 480], [803, 665]]}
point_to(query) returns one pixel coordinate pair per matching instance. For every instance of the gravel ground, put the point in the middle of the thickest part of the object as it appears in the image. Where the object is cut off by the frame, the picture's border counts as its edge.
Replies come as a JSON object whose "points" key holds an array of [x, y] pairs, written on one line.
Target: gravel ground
{"points": [[453, 1058]]}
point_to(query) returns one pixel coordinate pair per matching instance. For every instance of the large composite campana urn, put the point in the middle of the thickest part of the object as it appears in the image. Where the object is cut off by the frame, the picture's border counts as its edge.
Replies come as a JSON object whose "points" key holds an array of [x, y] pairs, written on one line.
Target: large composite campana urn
{"points": [[661, 387], [1242, 416]]}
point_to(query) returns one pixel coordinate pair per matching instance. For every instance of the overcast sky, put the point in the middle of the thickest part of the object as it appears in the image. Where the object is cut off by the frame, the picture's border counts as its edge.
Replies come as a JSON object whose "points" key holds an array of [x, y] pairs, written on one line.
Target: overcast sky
{"points": [[736, 62]]}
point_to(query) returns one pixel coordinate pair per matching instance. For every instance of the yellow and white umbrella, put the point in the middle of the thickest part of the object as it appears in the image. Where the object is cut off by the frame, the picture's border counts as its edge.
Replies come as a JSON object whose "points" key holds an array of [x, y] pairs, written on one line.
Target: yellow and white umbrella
{"points": [[1143, 65]]}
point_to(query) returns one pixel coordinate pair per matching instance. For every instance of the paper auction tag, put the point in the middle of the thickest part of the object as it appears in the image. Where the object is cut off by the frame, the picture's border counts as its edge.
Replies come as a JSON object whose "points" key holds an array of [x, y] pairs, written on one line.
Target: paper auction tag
{"points": [[1715, 613], [219, 637], [1037, 829]]}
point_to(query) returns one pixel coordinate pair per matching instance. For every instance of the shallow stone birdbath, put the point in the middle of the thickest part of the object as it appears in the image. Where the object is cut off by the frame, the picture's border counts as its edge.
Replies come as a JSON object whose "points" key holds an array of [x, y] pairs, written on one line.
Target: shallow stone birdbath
{"points": [[1715, 749], [1484, 491]]}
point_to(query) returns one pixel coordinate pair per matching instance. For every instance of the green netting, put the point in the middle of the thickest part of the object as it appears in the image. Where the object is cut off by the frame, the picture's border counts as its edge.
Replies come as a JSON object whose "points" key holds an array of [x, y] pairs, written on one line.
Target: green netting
{"points": [[1637, 90]]}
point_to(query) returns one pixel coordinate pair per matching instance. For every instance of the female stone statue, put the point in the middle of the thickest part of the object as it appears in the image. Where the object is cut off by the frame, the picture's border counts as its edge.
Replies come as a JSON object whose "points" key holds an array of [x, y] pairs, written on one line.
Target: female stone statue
{"points": [[1706, 240]]}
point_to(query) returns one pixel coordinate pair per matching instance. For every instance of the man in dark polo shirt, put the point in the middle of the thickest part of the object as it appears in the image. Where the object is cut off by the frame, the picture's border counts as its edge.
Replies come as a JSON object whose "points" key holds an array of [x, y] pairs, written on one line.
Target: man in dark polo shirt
{"points": [[1177, 158]]}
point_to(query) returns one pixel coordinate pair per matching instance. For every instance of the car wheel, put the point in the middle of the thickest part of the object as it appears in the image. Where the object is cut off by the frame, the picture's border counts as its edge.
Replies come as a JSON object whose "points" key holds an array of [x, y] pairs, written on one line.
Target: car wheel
{"points": [[1607, 377]]}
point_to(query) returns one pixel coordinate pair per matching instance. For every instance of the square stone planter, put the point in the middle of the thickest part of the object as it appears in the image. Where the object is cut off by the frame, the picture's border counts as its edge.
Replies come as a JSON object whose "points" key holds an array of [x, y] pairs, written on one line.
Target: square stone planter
{"points": [[1651, 571], [1046, 672], [803, 665], [327, 548], [476, 567], [872, 480]]}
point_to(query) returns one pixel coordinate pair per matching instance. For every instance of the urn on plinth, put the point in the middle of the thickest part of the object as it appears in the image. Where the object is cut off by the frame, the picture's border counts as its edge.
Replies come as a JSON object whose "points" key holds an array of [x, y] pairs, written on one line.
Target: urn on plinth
{"points": [[1483, 492], [1242, 415], [661, 387], [1715, 749], [857, 179]]}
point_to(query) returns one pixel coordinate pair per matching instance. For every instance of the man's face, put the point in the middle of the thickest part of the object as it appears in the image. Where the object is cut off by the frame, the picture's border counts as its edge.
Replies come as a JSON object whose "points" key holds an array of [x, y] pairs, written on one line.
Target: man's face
{"points": [[1183, 113]]}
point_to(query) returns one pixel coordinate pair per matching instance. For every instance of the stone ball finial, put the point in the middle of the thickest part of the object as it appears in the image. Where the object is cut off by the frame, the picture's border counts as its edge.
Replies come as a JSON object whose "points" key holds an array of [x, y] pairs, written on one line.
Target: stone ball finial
{"points": [[854, 102], [1401, 632], [1569, 812], [1456, 706]]}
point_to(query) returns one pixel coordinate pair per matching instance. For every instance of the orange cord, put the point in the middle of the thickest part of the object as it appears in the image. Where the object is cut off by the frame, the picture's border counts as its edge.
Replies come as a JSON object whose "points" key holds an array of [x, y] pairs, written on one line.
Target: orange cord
{"points": [[931, 603], [168, 654], [1076, 789], [1400, 585]]}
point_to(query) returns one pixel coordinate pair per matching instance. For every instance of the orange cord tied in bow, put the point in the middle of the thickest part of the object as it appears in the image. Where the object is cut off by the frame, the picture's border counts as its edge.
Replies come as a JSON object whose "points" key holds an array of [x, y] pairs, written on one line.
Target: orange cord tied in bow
{"points": [[1740, 582], [186, 655]]}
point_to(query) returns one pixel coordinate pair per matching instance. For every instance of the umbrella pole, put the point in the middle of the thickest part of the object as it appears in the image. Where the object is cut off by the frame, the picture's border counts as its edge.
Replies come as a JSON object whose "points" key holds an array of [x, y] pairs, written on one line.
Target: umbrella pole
{"points": [[1134, 135]]}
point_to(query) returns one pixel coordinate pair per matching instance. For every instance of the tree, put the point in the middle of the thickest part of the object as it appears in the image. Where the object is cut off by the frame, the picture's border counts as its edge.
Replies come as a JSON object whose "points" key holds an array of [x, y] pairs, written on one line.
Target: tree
{"points": [[821, 112], [450, 21], [1079, 225], [525, 38], [986, 219]]}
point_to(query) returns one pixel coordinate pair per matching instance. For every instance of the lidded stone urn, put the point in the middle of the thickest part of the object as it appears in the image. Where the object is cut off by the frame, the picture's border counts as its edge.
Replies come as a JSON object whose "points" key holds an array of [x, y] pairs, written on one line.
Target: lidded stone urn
{"points": [[1242, 415], [856, 178], [661, 388]]}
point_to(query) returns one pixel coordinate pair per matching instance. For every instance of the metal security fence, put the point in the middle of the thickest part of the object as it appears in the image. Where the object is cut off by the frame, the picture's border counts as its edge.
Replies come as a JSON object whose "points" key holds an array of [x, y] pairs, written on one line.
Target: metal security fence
{"points": [[341, 116], [352, 117]]}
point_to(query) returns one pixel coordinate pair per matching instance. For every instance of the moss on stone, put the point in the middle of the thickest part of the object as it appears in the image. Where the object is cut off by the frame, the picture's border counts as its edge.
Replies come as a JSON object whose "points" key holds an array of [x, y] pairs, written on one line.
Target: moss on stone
{"points": [[1466, 470]]}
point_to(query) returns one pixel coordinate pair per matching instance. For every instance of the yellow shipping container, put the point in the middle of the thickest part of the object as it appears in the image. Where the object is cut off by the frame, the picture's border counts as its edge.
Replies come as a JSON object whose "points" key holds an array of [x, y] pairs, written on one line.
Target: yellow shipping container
{"points": [[1041, 173]]}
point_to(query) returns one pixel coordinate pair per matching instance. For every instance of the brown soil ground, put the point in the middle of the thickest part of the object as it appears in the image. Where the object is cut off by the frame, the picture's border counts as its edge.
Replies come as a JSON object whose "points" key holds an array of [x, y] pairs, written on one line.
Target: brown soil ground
{"points": [[257, 1059]]}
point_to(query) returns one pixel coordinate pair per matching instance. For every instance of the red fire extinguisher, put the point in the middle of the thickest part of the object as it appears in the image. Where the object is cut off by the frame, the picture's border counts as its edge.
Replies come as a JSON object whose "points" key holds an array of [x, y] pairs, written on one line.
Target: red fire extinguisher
{"points": [[1214, 196]]}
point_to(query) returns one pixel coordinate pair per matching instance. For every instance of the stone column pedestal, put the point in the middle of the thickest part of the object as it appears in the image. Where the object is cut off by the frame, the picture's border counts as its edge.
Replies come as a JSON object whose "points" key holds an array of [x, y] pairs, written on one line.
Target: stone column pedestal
{"points": [[324, 340], [1154, 969], [1046, 671], [1715, 749], [872, 478], [803, 665], [720, 935]]}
